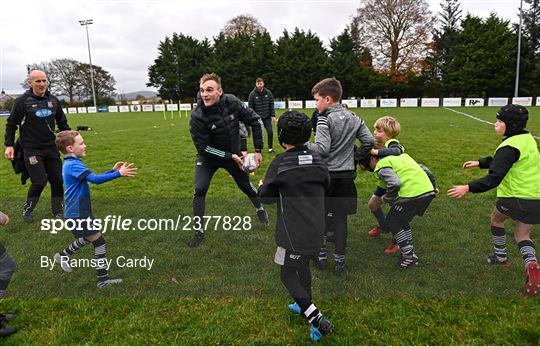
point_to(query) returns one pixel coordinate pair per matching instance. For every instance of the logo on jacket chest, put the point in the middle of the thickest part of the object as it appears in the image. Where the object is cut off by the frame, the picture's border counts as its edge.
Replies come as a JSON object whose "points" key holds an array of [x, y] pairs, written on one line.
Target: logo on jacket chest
{"points": [[43, 113]]}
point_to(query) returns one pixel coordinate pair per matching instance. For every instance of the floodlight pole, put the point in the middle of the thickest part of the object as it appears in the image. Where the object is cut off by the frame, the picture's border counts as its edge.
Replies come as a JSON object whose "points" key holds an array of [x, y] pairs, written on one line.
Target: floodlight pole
{"points": [[86, 23], [519, 49]]}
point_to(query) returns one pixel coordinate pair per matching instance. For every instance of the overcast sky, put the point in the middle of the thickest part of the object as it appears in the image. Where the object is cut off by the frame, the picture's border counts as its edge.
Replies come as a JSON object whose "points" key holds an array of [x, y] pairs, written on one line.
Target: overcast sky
{"points": [[125, 34]]}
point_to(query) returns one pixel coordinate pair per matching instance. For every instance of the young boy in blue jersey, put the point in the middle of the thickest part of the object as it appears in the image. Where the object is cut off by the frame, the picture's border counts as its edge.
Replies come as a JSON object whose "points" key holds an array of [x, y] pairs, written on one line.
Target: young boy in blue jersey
{"points": [[296, 180], [385, 131], [409, 189], [515, 171], [77, 202]]}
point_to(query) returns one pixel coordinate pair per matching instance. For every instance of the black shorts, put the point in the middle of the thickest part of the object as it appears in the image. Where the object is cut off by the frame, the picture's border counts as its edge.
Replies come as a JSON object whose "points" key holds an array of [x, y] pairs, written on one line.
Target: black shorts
{"points": [[523, 210], [402, 212], [284, 257], [379, 192], [341, 196]]}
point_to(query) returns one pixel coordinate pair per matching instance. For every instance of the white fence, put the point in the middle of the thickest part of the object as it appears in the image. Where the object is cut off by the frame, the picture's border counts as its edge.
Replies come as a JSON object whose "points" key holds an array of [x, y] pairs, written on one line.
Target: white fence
{"points": [[527, 101]]}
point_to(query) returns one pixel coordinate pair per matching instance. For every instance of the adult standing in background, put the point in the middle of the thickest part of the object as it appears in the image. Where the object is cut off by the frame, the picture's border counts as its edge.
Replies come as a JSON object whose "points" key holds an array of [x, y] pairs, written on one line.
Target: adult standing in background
{"points": [[36, 113], [261, 101]]}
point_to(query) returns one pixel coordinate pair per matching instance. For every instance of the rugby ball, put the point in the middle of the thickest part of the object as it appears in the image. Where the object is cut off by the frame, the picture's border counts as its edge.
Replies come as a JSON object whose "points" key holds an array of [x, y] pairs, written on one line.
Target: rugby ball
{"points": [[250, 163]]}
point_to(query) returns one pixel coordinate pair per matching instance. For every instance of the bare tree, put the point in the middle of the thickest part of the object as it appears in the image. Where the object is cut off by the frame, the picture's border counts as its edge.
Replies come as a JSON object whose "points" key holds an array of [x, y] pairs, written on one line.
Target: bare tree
{"points": [[396, 33], [66, 81], [46, 67], [242, 24]]}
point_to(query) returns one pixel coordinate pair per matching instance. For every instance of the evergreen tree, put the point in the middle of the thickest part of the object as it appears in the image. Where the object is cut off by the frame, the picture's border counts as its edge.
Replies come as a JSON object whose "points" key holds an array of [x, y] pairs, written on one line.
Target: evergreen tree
{"points": [[263, 55], [180, 63], [346, 66], [234, 60], [484, 59], [444, 41], [530, 51], [300, 62]]}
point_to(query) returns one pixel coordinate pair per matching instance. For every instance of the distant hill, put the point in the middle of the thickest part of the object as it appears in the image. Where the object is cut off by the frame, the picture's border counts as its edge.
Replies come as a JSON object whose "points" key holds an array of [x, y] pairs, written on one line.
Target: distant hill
{"points": [[146, 93]]}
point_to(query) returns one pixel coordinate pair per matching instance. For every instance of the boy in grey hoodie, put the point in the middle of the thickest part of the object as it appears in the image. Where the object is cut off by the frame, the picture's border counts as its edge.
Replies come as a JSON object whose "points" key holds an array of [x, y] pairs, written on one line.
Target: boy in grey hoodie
{"points": [[337, 131]]}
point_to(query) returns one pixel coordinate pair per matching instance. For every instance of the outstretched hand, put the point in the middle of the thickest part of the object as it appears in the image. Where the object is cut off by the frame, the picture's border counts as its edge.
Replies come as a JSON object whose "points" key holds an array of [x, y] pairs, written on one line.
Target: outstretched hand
{"points": [[471, 163], [457, 192], [127, 170], [118, 165]]}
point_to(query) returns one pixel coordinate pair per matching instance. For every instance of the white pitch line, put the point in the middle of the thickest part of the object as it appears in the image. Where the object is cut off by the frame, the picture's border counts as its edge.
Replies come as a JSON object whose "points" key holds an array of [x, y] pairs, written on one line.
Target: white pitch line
{"points": [[121, 130], [479, 119]]}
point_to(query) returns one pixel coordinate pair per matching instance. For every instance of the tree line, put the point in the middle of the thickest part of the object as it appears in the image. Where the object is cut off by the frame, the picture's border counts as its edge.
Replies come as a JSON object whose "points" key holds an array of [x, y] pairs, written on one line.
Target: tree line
{"points": [[71, 78], [391, 48]]}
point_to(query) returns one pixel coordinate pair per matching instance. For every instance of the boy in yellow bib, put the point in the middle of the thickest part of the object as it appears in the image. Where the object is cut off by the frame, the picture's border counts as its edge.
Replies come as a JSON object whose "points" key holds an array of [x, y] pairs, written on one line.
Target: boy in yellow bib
{"points": [[515, 172], [385, 131], [409, 189]]}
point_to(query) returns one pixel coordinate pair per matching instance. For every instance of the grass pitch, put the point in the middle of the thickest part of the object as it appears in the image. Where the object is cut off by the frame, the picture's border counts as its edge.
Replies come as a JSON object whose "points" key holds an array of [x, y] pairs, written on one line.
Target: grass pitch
{"points": [[228, 290]]}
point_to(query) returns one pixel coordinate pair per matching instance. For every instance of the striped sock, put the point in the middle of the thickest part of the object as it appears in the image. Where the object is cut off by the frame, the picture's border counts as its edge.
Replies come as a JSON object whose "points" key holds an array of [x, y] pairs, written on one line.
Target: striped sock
{"points": [[100, 253], [339, 258], [404, 239], [74, 246], [323, 252], [379, 215], [2, 293], [499, 243], [313, 315], [526, 247]]}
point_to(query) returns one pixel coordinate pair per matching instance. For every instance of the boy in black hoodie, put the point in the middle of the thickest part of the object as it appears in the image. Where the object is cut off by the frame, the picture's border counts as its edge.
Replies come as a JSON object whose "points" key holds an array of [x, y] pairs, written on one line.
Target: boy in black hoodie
{"points": [[297, 180]]}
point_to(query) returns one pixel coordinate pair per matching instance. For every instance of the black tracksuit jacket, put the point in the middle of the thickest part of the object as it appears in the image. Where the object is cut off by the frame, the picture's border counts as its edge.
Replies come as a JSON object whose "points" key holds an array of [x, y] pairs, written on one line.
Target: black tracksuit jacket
{"points": [[262, 103], [215, 129], [297, 180], [36, 117]]}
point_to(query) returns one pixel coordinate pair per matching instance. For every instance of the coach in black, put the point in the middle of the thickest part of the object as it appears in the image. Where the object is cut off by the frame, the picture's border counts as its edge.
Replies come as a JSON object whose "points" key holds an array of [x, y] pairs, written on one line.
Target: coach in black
{"points": [[35, 113], [214, 127], [261, 101]]}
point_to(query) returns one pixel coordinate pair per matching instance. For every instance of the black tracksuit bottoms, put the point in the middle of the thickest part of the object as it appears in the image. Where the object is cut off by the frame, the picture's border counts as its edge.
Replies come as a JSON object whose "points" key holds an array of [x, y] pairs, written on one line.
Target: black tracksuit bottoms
{"points": [[267, 122], [204, 171], [44, 165]]}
